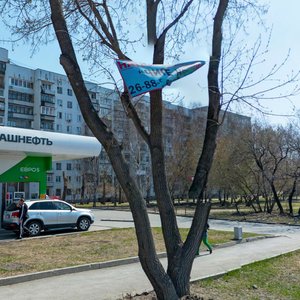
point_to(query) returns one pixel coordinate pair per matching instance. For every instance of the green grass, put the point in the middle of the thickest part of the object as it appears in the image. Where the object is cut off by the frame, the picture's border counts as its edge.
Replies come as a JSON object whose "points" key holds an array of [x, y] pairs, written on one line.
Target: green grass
{"points": [[39, 254], [276, 279]]}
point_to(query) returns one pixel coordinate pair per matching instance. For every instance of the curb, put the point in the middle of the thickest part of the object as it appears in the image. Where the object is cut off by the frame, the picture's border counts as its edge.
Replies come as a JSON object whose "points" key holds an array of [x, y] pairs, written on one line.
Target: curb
{"points": [[107, 264], [70, 270]]}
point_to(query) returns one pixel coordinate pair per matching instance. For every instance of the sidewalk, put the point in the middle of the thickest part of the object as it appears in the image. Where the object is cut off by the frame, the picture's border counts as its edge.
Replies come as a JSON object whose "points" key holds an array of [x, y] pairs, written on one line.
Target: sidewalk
{"points": [[111, 283]]}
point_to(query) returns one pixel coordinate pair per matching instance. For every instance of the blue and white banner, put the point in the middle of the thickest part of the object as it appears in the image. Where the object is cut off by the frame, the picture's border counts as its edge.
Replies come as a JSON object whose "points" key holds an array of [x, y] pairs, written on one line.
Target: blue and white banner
{"points": [[140, 79]]}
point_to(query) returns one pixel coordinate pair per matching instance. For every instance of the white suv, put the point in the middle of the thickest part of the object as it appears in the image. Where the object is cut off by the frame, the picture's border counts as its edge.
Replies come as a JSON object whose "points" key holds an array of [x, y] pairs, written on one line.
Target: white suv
{"points": [[49, 215]]}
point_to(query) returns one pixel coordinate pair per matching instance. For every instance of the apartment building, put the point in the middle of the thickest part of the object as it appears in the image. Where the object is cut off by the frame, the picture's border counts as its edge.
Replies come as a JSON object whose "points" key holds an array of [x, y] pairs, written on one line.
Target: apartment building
{"points": [[43, 100]]}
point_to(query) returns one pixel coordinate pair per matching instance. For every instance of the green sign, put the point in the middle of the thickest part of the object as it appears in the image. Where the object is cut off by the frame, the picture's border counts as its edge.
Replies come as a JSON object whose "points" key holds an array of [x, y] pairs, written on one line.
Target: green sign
{"points": [[30, 169]]}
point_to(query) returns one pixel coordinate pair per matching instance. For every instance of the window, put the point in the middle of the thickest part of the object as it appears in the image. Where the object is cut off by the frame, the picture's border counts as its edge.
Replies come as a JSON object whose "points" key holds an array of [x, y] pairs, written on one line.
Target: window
{"points": [[78, 129], [104, 112], [69, 166], [20, 96], [43, 205], [68, 117], [11, 123], [93, 95], [47, 125], [25, 110], [47, 98], [69, 129], [70, 92], [59, 115], [49, 178], [59, 90], [61, 206], [46, 87], [79, 118], [69, 104], [58, 179], [2, 82], [104, 100], [21, 82], [59, 127], [58, 166], [58, 192], [47, 110], [59, 102]]}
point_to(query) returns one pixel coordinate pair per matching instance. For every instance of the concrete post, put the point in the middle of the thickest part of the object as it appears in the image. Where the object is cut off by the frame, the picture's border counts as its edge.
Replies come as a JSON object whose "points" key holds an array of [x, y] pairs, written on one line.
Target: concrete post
{"points": [[238, 233]]}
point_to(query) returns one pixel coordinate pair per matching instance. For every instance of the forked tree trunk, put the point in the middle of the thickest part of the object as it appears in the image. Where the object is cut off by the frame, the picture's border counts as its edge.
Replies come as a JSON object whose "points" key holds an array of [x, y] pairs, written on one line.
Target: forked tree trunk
{"points": [[174, 283], [276, 199], [160, 281]]}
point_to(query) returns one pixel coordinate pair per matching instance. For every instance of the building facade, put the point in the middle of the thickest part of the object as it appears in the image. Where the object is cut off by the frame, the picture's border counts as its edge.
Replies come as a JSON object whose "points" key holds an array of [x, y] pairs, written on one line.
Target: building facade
{"points": [[43, 100]]}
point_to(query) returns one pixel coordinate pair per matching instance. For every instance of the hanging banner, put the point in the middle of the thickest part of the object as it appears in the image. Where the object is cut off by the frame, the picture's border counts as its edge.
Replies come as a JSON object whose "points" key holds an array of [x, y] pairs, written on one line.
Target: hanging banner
{"points": [[140, 79]]}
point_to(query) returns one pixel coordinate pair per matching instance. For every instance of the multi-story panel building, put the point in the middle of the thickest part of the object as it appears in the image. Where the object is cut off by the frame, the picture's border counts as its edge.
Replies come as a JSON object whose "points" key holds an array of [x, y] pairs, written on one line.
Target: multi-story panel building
{"points": [[43, 100]]}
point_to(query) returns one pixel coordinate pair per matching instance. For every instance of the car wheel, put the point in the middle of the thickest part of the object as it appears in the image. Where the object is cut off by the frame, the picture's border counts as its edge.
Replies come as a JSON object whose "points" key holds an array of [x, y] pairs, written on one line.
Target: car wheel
{"points": [[34, 228], [83, 224]]}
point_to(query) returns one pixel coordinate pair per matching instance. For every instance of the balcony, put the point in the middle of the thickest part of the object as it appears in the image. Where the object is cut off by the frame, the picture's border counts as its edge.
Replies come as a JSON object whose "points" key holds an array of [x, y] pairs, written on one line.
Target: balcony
{"points": [[47, 99], [48, 126], [2, 67], [48, 91], [16, 115], [21, 102], [47, 118], [48, 111], [96, 106], [21, 89], [50, 183]]}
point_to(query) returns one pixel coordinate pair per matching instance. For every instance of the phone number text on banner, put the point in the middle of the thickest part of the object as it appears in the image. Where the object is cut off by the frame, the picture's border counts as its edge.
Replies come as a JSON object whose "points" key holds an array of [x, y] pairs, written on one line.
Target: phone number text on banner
{"points": [[140, 79]]}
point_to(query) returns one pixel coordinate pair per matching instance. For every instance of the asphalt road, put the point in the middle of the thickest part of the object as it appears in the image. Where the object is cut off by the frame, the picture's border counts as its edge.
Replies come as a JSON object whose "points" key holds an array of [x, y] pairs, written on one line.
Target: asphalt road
{"points": [[107, 219]]}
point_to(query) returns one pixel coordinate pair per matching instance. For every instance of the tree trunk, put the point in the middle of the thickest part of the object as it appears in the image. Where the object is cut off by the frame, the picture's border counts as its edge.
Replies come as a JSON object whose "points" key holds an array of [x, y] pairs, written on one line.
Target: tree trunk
{"points": [[258, 203], [212, 124], [276, 199], [175, 283], [181, 266], [161, 283], [220, 197], [291, 195], [65, 179], [82, 187]]}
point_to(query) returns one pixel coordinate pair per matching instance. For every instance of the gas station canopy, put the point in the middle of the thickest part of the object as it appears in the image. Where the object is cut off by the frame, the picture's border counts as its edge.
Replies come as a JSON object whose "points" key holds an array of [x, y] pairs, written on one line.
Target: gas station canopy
{"points": [[18, 143]]}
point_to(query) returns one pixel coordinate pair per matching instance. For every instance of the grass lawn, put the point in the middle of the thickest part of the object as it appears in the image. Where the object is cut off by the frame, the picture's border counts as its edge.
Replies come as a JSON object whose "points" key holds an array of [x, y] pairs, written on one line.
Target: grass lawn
{"points": [[276, 279], [51, 252]]}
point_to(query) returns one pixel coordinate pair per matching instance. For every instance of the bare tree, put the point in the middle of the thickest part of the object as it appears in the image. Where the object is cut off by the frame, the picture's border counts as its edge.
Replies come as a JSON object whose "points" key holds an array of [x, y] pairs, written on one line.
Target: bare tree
{"points": [[269, 149], [96, 25], [91, 178], [180, 165], [174, 283]]}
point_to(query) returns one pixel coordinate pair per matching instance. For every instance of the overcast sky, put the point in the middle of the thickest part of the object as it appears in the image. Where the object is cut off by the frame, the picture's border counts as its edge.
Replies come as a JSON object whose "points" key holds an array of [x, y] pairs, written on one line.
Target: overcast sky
{"points": [[286, 33]]}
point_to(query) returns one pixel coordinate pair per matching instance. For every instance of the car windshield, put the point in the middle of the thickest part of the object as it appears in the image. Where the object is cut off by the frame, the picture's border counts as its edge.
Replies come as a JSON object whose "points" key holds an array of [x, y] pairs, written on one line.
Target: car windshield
{"points": [[11, 207]]}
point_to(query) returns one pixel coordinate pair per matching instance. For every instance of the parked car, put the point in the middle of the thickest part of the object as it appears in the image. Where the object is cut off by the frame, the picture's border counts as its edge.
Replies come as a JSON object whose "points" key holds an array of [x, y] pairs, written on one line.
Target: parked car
{"points": [[47, 215]]}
